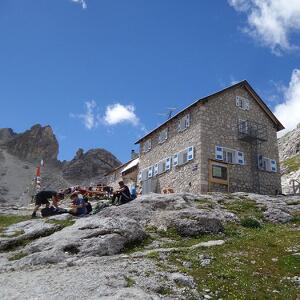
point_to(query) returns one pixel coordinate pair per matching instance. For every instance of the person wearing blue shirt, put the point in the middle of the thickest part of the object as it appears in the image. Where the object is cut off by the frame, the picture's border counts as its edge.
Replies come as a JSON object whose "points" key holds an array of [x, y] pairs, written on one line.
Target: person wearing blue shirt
{"points": [[78, 207]]}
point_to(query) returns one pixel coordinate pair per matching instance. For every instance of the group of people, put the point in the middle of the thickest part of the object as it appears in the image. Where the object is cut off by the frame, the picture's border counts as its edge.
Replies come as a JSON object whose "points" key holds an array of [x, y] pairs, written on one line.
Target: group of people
{"points": [[80, 205]]}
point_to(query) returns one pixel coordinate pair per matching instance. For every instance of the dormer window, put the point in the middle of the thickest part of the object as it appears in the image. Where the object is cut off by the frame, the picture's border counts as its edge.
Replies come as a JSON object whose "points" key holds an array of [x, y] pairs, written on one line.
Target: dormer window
{"points": [[184, 123], [147, 146], [163, 136], [242, 102]]}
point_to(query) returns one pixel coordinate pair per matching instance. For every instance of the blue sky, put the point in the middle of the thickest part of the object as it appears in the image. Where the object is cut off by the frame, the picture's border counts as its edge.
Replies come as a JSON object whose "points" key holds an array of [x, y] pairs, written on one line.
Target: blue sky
{"points": [[100, 72]]}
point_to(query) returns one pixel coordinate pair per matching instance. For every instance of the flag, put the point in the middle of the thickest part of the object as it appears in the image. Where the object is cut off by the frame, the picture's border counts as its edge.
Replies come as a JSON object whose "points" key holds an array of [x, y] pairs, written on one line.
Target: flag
{"points": [[38, 172]]}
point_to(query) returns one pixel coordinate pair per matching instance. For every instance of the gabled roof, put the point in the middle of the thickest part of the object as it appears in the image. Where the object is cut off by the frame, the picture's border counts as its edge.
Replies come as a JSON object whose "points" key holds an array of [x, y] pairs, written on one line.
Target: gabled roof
{"points": [[243, 83], [131, 165]]}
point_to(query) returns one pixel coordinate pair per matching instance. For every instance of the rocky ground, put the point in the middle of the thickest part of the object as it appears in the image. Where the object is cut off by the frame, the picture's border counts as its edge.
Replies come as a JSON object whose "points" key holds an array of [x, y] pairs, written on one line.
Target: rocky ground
{"points": [[178, 246]]}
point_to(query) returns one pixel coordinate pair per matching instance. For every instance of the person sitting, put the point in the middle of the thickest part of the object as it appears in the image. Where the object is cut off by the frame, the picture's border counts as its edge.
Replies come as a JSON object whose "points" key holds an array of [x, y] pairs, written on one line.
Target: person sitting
{"points": [[42, 198], [122, 195], [88, 205], [78, 207]]}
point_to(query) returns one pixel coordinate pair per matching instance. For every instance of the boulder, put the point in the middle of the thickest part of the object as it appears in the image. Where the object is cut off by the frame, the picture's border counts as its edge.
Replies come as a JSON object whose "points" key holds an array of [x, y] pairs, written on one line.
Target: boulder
{"points": [[16, 234], [277, 216], [88, 237]]}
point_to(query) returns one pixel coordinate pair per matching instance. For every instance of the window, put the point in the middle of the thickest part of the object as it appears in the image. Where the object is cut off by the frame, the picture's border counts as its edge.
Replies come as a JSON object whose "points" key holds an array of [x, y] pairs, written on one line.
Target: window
{"points": [[266, 164], [150, 172], [163, 136], [243, 126], [143, 175], [184, 123], [230, 156], [219, 172], [242, 102], [183, 156], [147, 146], [164, 165]]}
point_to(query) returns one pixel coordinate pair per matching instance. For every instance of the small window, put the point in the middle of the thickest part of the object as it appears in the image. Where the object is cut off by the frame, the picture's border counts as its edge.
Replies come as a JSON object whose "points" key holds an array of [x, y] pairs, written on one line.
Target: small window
{"points": [[266, 164], [163, 136], [219, 172], [230, 156], [184, 156], [147, 146], [150, 172], [243, 127], [242, 102], [184, 123]]}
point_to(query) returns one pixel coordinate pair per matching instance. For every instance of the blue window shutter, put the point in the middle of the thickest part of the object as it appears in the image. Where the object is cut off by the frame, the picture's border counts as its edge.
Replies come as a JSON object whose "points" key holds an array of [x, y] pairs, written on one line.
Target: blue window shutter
{"points": [[240, 158], [273, 165], [219, 153], [190, 153], [187, 120], [155, 169], [260, 163], [168, 163], [140, 176], [175, 159]]}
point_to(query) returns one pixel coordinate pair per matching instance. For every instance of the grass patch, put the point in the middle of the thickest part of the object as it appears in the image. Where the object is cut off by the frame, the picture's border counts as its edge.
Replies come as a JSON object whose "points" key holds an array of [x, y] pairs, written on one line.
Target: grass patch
{"points": [[17, 256], [296, 219], [250, 223], [62, 223], [244, 208], [6, 221], [165, 291], [153, 255], [129, 281], [250, 265], [137, 246], [292, 164]]}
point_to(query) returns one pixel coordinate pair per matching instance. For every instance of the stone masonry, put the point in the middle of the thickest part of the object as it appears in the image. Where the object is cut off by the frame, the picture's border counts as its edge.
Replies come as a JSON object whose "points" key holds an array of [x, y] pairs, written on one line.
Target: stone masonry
{"points": [[214, 122]]}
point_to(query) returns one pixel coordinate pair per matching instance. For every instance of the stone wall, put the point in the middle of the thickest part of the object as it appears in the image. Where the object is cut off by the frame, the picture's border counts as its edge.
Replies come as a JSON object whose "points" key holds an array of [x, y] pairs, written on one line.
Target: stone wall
{"points": [[219, 127], [215, 122], [115, 177]]}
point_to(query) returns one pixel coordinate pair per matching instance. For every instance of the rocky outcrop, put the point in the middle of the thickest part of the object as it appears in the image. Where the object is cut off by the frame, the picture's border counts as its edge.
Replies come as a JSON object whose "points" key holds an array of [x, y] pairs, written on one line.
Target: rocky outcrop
{"points": [[289, 144], [35, 144], [289, 154], [90, 166], [6, 134], [21, 153]]}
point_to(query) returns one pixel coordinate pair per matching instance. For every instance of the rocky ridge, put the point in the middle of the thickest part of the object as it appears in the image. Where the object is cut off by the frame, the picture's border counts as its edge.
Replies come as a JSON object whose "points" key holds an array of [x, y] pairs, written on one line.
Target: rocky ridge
{"points": [[21, 153]]}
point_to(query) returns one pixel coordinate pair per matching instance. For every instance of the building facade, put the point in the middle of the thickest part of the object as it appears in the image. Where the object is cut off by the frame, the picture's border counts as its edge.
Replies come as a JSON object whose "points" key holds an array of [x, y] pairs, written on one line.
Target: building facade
{"points": [[224, 142], [127, 173]]}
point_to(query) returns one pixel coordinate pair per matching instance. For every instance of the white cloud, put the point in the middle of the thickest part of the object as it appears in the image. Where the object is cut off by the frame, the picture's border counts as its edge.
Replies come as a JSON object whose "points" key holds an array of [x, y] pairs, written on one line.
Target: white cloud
{"points": [[81, 2], [118, 113], [271, 22], [90, 118], [114, 114], [288, 112]]}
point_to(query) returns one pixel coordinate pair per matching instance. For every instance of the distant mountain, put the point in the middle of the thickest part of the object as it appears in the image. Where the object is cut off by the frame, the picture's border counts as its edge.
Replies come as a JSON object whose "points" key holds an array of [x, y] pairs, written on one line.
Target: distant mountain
{"points": [[289, 154], [21, 153]]}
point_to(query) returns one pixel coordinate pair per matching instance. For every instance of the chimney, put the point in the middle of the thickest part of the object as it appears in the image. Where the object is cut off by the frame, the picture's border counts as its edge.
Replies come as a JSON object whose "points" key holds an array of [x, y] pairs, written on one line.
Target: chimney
{"points": [[134, 155]]}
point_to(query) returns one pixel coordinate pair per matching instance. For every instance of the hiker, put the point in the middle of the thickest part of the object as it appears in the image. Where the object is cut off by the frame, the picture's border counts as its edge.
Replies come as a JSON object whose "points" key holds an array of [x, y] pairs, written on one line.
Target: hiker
{"points": [[78, 207], [122, 195], [88, 205], [42, 198]]}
